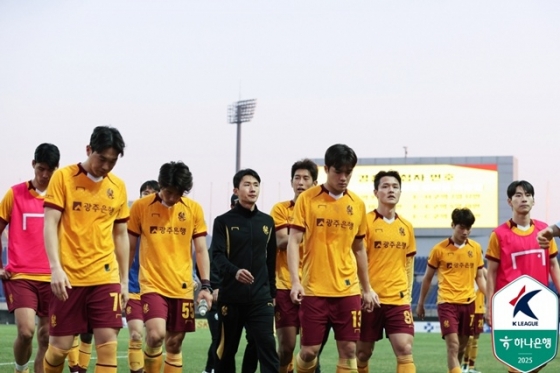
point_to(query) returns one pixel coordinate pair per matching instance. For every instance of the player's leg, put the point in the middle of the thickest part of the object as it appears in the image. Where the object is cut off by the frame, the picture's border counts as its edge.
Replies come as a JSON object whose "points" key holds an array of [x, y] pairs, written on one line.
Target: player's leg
{"points": [[231, 320], [472, 346], [371, 330], [287, 325], [449, 323], [180, 321], [213, 325], [250, 360], [314, 318], [400, 329], [105, 318], [260, 327], [467, 356], [84, 351], [23, 344], [135, 323], [346, 320], [466, 327], [155, 309], [74, 355], [42, 342]]}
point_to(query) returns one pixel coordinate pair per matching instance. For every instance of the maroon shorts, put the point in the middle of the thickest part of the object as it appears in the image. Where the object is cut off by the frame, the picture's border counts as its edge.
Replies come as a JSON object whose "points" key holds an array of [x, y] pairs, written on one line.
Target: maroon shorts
{"points": [[87, 308], [28, 294], [133, 310], [286, 312], [478, 324], [343, 314], [394, 319], [177, 313], [456, 318]]}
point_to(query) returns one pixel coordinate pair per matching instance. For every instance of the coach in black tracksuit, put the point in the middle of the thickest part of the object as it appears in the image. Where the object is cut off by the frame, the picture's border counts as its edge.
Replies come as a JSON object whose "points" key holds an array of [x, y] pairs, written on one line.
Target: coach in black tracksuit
{"points": [[244, 251]]}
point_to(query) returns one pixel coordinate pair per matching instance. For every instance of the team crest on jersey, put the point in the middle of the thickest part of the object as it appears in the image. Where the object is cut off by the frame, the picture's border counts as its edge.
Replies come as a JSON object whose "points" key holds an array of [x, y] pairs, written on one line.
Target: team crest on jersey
{"points": [[446, 323], [224, 310], [53, 321], [470, 254], [77, 206], [266, 230], [182, 216], [110, 193], [145, 308], [349, 210], [402, 232]]}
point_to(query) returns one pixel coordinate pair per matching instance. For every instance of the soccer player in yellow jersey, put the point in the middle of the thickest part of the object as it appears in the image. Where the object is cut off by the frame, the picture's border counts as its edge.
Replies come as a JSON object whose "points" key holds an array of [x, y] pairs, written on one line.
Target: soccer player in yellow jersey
{"points": [[390, 247], [86, 210], [26, 278], [304, 176], [330, 221], [166, 224], [471, 352], [459, 264]]}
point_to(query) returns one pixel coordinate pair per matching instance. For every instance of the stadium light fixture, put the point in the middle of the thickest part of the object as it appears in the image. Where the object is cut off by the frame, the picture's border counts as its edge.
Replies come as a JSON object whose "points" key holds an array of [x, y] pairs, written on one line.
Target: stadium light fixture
{"points": [[240, 112]]}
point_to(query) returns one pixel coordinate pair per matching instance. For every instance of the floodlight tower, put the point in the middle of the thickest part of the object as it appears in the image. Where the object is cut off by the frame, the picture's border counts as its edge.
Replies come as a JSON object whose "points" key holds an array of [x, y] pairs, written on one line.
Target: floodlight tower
{"points": [[240, 112]]}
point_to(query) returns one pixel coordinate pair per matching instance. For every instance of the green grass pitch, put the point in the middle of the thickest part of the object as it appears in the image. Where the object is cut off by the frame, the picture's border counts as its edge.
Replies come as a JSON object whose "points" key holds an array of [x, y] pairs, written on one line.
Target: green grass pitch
{"points": [[429, 354]]}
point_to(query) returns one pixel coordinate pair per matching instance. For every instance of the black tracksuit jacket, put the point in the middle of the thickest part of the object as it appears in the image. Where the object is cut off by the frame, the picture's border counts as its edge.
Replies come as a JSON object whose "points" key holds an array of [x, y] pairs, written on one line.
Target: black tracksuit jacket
{"points": [[244, 239]]}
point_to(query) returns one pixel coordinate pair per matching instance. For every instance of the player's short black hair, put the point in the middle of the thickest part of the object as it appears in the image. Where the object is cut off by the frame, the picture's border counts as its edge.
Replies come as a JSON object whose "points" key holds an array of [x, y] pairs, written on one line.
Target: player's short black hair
{"points": [[175, 175], [463, 217], [48, 154], [105, 137], [152, 184], [245, 172], [306, 164], [340, 157], [381, 174], [525, 185]]}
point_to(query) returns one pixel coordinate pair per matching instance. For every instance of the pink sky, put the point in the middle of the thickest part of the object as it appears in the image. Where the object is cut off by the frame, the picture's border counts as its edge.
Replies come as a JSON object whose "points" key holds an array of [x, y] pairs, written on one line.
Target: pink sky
{"points": [[443, 78]]}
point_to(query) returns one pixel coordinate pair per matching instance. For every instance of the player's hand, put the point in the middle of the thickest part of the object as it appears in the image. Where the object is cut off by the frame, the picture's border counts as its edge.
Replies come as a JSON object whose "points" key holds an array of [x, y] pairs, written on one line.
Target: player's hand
{"points": [[488, 316], [59, 284], [244, 276], [370, 300], [420, 311], [4, 275], [206, 295], [215, 294], [124, 295], [297, 294], [544, 237]]}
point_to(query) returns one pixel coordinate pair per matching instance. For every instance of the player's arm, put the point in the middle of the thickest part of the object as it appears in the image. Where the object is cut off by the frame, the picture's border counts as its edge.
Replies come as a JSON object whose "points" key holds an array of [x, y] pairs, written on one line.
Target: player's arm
{"points": [[547, 234], [480, 280], [369, 297], [282, 238], [122, 252], [410, 274], [5, 213], [203, 265], [59, 280], [4, 275], [220, 240], [424, 290], [294, 240], [555, 272], [490, 288], [271, 263]]}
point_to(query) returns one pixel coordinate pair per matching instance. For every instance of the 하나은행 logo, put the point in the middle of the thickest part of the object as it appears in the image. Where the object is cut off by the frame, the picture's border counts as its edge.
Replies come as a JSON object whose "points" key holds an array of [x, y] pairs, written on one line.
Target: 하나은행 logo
{"points": [[521, 305]]}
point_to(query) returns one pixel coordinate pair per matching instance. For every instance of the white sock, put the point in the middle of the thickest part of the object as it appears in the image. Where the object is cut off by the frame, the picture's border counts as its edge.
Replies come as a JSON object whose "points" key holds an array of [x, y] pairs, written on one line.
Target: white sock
{"points": [[23, 367]]}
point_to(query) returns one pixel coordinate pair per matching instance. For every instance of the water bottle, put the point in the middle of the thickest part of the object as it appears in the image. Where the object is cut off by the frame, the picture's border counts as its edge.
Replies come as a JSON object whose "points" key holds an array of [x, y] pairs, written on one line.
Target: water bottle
{"points": [[202, 307]]}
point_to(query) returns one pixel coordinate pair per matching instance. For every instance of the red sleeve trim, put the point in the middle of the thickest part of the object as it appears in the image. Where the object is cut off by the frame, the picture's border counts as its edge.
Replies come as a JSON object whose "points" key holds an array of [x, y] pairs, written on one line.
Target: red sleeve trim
{"points": [[550, 255], [281, 227], [120, 221], [411, 254], [431, 266], [53, 206], [492, 258], [480, 267], [360, 236], [133, 233], [4, 221], [201, 234], [297, 227]]}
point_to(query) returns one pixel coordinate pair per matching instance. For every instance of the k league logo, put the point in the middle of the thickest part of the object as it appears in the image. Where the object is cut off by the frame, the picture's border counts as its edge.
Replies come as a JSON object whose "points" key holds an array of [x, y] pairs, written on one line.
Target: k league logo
{"points": [[521, 303]]}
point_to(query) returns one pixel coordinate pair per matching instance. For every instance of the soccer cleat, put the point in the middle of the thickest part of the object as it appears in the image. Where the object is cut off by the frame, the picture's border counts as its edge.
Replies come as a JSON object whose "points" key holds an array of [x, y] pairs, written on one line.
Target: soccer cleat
{"points": [[465, 368], [472, 370]]}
